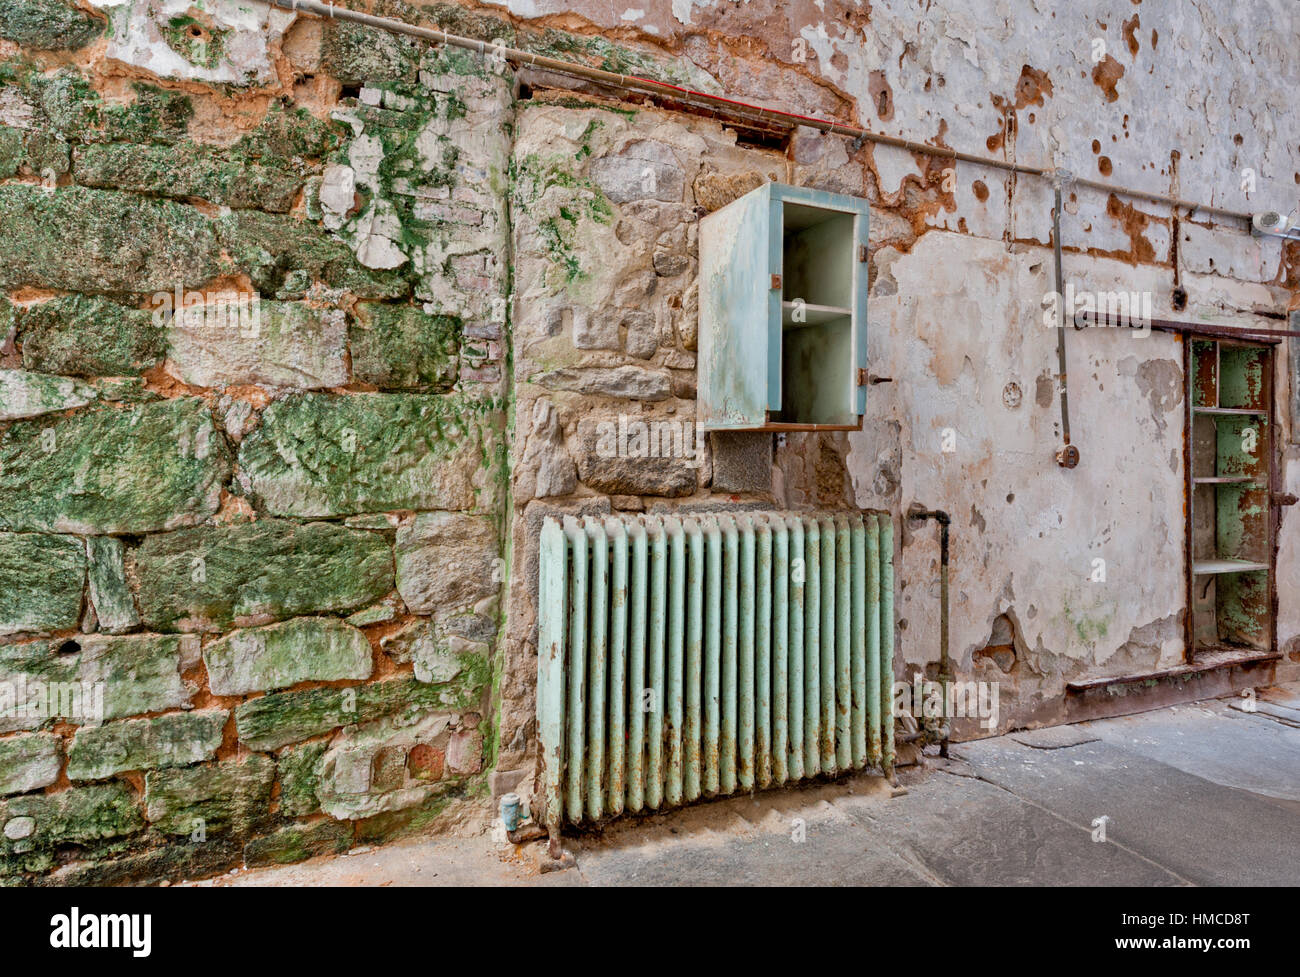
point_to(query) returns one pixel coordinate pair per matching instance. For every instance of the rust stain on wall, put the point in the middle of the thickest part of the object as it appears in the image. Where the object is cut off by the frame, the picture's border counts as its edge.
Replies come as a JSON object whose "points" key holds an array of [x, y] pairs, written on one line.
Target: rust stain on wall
{"points": [[1135, 224], [882, 97], [1033, 88], [1130, 34], [1106, 74]]}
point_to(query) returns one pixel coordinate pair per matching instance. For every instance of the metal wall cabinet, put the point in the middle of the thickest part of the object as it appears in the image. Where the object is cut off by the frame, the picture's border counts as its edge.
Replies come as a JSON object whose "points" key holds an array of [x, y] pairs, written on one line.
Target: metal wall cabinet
{"points": [[783, 312]]}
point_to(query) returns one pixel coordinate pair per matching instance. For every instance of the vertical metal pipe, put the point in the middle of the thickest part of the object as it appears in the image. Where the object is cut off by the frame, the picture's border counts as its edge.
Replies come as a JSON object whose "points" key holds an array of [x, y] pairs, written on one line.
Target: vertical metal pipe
{"points": [[712, 654], [596, 662], [828, 670], [655, 701], [730, 613], [615, 796], [763, 653], [945, 664], [874, 667], [553, 572], [887, 643], [691, 779], [780, 650], [858, 652], [745, 658], [1060, 292], [843, 634], [798, 578], [577, 695], [676, 668], [812, 617], [638, 605], [1067, 456]]}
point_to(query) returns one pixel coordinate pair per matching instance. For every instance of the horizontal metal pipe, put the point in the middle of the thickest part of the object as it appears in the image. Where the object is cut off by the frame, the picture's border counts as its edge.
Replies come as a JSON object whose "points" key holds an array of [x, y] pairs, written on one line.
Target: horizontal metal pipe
{"points": [[1095, 321], [733, 107]]}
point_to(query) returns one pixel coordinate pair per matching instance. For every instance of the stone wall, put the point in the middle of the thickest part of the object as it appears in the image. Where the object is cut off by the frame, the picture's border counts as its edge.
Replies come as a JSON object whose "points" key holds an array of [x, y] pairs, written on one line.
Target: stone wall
{"points": [[250, 567]]}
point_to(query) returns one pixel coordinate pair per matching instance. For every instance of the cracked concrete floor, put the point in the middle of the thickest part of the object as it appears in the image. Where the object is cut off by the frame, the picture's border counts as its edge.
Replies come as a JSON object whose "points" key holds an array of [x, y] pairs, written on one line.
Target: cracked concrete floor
{"points": [[1200, 794]]}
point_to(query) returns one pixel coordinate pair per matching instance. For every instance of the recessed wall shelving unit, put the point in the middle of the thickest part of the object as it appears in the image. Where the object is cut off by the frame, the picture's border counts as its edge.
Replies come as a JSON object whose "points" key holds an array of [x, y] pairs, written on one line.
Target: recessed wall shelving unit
{"points": [[1230, 427], [783, 312]]}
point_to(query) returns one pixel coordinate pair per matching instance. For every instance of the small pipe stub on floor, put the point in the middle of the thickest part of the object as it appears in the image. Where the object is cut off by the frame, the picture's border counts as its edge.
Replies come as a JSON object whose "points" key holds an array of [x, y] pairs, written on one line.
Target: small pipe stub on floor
{"points": [[510, 811]]}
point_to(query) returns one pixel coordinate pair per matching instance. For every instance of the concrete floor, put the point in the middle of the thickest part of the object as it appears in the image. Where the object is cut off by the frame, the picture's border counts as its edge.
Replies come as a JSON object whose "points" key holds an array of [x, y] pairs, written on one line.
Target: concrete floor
{"points": [[1202, 794]]}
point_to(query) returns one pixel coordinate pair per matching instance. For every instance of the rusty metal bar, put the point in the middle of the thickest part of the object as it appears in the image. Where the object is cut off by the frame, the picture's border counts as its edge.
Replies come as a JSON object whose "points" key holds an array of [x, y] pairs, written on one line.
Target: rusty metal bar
{"points": [[1235, 658], [1084, 320], [1067, 456]]}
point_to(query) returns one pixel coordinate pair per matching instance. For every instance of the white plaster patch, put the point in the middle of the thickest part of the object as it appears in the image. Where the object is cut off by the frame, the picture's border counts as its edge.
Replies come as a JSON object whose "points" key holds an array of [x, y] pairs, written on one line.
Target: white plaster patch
{"points": [[137, 37], [962, 323]]}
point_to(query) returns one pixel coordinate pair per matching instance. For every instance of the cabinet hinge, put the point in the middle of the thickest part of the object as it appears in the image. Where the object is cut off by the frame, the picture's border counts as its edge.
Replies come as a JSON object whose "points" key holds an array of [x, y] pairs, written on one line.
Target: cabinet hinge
{"points": [[862, 252], [776, 281]]}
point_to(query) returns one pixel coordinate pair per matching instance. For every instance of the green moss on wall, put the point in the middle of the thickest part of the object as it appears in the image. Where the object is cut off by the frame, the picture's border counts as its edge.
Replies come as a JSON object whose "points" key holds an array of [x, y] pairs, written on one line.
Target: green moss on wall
{"points": [[48, 25]]}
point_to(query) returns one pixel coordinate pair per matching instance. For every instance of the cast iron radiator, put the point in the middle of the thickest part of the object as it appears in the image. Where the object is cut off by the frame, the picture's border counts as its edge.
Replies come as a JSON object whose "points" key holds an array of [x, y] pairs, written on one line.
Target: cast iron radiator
{"points": [[696, 656]]}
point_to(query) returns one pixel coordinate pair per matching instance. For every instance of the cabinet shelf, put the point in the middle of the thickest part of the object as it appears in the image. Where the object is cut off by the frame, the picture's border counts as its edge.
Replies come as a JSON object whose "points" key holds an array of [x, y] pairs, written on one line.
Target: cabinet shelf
{"points": [[1207, 567], [813, 315], [1231, 411]]}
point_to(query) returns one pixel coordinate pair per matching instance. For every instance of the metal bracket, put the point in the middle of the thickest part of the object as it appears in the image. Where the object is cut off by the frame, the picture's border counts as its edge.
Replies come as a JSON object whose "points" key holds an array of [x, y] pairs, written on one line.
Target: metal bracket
{"points": [[1060, 178]]}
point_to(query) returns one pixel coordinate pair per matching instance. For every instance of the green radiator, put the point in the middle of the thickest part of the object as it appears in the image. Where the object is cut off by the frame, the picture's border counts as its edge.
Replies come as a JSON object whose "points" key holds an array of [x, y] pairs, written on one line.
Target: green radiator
{"points": [[698, 656]]}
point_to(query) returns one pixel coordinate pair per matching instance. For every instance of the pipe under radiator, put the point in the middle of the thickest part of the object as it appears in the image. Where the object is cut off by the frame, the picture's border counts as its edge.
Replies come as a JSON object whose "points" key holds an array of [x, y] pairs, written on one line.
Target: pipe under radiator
{"points": [[920, 513], [701, 655]]}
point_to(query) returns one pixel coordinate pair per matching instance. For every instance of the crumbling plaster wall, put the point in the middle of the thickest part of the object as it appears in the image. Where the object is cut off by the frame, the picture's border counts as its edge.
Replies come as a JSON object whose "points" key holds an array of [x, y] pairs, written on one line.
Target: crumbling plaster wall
{"points": [[1186, 100]]}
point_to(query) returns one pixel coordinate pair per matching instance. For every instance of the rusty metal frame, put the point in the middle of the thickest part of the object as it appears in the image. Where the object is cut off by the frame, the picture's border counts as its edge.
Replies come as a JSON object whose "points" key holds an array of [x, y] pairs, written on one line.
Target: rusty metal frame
{"points": [[1198, 330], [1189, 502], [1238, 657], [1190, 333]]}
